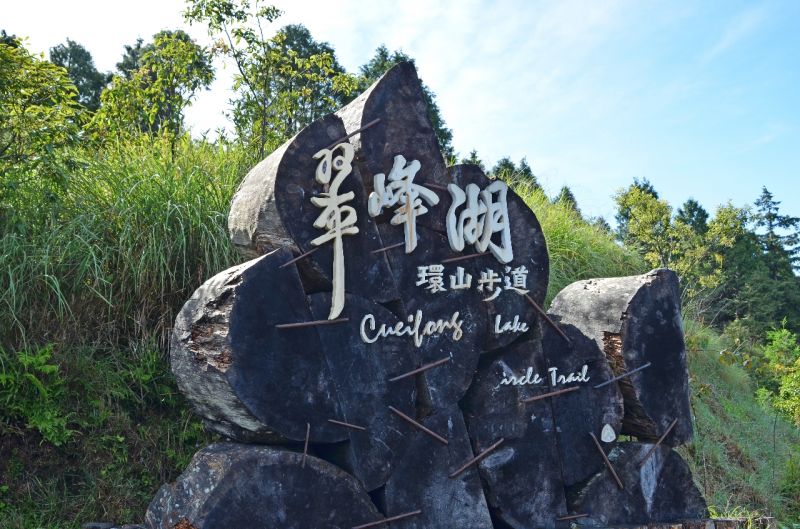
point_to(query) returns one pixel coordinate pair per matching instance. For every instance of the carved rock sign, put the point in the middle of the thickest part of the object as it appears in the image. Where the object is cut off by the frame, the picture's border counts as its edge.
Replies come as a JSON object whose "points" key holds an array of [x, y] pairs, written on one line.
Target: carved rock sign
{"points": [[387, 341]]}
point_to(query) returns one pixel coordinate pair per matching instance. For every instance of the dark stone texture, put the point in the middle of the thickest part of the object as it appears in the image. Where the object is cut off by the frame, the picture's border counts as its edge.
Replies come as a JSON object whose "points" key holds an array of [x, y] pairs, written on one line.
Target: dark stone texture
{"points": [[360, 373], [229, 485], [241, 372], [422, 480], [636, 320], [660, 491], [586, 410], [523, 475]]}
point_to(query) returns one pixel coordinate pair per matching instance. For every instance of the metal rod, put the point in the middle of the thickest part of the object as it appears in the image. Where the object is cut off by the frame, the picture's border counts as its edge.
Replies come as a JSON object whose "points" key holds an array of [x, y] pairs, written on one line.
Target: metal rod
{"points": [[571, 517], [418, 425], [420, 369], [660, 440], [550, 394], [301, 256], [464, 257], [347, 425], [305, 447], [379, 250], [623, 375], [387, 520], [365, 127], [541, 311], [309, 323], [477, 458], [608, 463]]}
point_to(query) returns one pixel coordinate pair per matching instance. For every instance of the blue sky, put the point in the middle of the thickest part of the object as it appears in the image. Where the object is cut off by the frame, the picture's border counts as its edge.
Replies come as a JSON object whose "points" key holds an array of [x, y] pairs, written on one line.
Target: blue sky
{"points": [[701, 98]]}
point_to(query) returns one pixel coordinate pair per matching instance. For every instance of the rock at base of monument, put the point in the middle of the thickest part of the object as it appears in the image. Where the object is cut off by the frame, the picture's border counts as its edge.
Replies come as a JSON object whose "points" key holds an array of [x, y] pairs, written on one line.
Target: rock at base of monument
{"points": [[229, 485], [659, 491], [636, 321], [422, 480], [587, 409], [522, 475]]}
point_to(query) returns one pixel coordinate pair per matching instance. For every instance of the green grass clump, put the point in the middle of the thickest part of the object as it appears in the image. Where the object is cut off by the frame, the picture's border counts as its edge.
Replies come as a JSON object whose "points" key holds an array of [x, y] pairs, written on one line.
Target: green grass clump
{"points": [[741, 447], [577, 249]]}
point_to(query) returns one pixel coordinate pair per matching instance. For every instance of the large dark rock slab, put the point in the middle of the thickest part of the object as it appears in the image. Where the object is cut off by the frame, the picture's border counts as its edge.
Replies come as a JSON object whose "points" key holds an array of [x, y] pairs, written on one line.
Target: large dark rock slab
{"points": [[522, 476], [658, 491], [636, 320], [229, 485], [249, 379], [422, 482]]}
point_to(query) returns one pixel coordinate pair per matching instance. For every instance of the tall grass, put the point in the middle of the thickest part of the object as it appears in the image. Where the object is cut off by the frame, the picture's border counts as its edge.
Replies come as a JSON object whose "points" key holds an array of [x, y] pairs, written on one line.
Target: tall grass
{"points": [[136, 230], [577, 249], [741, 447]]}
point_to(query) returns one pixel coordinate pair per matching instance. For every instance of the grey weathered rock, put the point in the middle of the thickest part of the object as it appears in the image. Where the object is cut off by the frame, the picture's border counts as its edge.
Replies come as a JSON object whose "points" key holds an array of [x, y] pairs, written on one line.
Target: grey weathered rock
{"points": [[230, 485], [243, 374], [522, 476], [661, 490], [636, 320], [422, 479], [585, 410]]}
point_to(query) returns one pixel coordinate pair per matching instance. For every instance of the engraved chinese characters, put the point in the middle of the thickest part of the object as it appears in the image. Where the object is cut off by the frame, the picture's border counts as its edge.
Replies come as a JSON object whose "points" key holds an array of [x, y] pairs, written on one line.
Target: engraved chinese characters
{"points": [[402, 190], [485, 213], [337, 218]]}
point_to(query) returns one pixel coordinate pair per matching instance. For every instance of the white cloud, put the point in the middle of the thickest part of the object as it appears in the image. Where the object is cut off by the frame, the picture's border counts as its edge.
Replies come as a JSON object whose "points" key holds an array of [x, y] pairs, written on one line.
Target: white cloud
{"points": [[740, 26]]}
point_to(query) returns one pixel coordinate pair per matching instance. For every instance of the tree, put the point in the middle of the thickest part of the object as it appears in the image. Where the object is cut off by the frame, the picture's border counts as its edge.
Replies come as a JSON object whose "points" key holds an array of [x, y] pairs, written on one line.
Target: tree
{"points": [[474, 159], [379, 64], [131, 59], [80, 66], [8, 40], [566, 198], [39, 121], [623, 213], [781, 250], [282, 83], [153, 99], [504, 168], [693, 214]]}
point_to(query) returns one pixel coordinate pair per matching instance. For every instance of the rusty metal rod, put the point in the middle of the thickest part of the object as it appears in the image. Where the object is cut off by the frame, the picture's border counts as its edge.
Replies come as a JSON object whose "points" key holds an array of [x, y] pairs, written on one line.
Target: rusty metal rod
{"points": [[464, 257], [391, 246], [305, 447], [623, 375], [660, 440], [541, 311], [387, 520], [571, 517], [550, 394], [362, 129], [607, 462], [477, 458], [309, 323], [301, 256], [418, 425], [420, 369], [347, 425]]}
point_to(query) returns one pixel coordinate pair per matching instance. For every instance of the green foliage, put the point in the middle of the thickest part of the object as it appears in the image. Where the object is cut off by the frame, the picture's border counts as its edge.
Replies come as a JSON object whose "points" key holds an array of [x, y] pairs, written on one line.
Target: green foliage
{"points": [[741, 447], [32, 390], [577, 249], [153, 98], [693, 215], [282, 83], [137, 232], [567, 199], [39, 119], [379, 64], [696, 255], [474, 159], [505, 169], [80, 66]]}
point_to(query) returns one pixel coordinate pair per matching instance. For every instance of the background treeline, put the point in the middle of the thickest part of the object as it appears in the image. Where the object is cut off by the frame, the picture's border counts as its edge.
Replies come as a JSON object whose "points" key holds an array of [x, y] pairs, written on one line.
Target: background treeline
{"points": [[111, 214]]}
